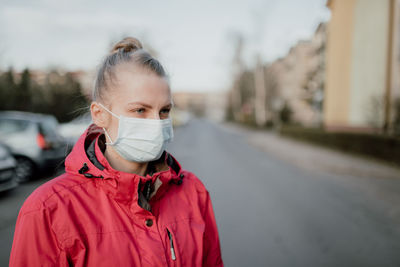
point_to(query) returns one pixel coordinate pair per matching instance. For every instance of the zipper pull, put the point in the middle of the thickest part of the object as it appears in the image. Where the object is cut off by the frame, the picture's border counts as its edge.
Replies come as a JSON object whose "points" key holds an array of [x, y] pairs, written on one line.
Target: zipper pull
{"points": [[171, 245]]}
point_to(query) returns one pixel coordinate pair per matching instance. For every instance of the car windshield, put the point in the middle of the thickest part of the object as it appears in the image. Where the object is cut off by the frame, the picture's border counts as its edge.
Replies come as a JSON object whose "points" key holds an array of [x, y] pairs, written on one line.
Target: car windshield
{"points": [[9, 126], [49, 127]]}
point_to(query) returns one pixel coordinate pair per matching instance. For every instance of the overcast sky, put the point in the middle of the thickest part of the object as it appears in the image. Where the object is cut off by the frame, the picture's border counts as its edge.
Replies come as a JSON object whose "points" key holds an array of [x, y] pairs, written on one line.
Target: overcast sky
{"points": [[191, 37]]}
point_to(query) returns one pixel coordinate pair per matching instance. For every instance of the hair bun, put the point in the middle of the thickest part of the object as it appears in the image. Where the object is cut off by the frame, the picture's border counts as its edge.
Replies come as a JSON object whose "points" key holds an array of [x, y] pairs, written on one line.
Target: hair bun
{"points": [[128, 44]]}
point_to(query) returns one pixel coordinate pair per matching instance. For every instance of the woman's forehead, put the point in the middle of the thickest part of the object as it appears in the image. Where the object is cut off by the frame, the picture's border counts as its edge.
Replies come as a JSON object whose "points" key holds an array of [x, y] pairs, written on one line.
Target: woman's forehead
{"points": [[127, 80], [140, 87], [137, 90]]}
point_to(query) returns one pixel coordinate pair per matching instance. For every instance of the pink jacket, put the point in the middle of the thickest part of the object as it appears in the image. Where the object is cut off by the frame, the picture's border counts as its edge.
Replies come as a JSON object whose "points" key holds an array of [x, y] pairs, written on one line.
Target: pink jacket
{"points": [[94, 215]]}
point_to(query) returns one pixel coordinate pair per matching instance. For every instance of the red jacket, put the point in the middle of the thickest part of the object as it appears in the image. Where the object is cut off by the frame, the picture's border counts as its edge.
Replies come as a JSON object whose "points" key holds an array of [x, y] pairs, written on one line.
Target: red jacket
{"points": [[94, 215]]}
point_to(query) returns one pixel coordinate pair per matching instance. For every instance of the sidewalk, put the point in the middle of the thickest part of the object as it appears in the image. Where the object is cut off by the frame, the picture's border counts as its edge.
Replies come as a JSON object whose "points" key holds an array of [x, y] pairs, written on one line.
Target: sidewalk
{"points": [[313, 157]]}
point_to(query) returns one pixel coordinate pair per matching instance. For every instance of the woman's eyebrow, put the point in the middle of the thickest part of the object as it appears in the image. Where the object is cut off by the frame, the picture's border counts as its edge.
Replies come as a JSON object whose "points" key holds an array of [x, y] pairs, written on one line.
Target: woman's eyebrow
{"points": [[140, 103], [147, 105], [168, 105]]}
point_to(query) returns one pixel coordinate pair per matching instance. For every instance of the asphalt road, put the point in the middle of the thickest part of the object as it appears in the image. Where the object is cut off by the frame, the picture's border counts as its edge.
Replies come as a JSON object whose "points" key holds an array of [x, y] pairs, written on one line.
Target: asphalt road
{"points": [[271, 212]]}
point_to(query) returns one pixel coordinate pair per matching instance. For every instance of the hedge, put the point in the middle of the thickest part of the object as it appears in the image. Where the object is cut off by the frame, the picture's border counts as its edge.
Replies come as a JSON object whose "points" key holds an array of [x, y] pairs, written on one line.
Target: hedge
{"points": [[377, 146]]}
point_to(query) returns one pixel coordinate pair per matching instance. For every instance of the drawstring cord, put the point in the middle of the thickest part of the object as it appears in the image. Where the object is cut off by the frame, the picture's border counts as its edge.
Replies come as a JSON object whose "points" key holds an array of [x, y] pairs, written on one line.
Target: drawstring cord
{"points": [[179, 182], [84, 169], [149, 187]]}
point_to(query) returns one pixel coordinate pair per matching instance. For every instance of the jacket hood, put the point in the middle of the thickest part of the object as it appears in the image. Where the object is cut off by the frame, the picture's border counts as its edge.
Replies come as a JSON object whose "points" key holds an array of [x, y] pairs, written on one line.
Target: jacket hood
{"points": [[87, 161]]}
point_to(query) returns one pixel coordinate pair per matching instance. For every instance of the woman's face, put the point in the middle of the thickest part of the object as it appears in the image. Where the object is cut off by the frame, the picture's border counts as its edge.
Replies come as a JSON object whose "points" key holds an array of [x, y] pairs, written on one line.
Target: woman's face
{"points": [[134, 94]]}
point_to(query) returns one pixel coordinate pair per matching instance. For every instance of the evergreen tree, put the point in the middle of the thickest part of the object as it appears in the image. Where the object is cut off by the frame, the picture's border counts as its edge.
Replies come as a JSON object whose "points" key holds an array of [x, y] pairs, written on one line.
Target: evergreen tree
{"points": [[23, 92], [61, 94], [8, 90]]}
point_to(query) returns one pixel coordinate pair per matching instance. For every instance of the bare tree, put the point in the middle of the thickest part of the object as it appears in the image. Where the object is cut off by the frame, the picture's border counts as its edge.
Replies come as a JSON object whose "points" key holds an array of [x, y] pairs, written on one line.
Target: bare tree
{"points": [[237, 68]]}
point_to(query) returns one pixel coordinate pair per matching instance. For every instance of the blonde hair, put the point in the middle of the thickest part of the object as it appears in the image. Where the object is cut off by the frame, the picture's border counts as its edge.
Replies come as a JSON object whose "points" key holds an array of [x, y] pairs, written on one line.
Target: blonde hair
{"points": [[128, 50]]}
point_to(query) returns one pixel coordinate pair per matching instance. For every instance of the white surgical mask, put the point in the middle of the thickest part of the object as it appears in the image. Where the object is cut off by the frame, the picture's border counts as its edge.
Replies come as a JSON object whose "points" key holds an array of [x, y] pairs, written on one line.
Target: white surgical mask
{"points": [[141, 140]]}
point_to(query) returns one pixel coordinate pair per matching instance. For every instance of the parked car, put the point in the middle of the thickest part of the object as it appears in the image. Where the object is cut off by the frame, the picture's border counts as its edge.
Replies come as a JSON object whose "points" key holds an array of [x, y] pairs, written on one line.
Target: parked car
{"points": [[73, 129], [7, 169], [34, 141]]}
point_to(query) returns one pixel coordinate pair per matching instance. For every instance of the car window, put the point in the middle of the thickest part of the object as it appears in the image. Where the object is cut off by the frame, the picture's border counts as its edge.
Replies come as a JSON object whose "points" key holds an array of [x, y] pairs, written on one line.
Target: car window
{"points": [[8, 126], [48, 127]]}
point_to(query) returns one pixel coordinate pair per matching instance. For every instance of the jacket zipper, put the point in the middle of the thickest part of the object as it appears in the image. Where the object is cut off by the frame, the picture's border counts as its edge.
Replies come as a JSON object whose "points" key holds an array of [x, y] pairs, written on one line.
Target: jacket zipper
{"points": [[171, 243]]}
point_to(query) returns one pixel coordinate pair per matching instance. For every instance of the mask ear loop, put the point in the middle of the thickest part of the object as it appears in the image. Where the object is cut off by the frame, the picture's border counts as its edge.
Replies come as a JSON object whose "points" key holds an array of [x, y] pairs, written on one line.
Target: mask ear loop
{"points": [[105, 131], [112, 113]]}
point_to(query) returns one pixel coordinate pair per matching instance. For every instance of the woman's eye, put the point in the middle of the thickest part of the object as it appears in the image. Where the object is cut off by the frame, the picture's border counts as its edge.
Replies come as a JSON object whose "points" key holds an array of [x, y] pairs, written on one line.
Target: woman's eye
{"points": [[165, 111], [139, 110]]}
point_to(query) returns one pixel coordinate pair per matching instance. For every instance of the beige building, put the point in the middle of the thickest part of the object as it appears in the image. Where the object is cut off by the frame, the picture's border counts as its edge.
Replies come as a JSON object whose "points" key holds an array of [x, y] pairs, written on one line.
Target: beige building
{"points": [[300, 78], [85, 78], [362, 65], [211, 105], [296, 81]]}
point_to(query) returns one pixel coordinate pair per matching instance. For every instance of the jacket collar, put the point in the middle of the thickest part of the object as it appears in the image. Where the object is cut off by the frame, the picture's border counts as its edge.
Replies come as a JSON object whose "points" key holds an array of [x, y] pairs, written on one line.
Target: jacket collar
{"points": [[88, 162]]}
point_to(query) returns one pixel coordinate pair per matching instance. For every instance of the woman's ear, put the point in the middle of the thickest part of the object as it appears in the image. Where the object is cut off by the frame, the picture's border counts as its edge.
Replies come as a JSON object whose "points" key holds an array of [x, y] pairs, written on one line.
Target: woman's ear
{"points": [[99, 116]]}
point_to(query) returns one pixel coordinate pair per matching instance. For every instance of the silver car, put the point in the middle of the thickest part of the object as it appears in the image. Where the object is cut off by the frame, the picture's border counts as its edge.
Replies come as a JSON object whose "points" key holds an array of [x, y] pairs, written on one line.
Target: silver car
{"points": [[7, 169], [34, 141]]}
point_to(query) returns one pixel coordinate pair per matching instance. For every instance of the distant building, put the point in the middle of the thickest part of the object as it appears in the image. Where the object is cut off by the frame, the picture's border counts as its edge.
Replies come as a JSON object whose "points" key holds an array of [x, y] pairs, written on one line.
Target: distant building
{"points": [[300, 78], [362, 65], [41, 77], [208, 104], [86, 79], [294, 82]]}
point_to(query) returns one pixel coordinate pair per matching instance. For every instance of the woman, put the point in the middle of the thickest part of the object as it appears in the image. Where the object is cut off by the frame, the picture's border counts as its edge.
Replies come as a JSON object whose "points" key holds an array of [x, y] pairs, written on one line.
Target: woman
{"points": [[123, 200]]}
